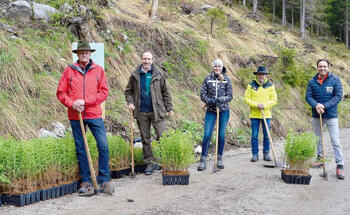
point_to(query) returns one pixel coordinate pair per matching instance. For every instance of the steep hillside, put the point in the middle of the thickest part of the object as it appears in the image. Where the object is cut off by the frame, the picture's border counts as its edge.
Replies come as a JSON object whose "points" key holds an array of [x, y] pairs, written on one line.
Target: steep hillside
{"points": [[31, 64]]}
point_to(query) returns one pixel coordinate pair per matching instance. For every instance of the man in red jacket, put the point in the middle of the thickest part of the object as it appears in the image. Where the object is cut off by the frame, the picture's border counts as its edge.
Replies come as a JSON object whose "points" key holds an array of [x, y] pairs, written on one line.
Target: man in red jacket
{"points": [[82, 88]]}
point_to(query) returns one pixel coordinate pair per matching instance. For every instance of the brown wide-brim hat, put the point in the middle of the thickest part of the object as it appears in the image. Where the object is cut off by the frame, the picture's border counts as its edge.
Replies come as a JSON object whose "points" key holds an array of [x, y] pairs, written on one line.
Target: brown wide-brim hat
{"points": [[83, 46]]}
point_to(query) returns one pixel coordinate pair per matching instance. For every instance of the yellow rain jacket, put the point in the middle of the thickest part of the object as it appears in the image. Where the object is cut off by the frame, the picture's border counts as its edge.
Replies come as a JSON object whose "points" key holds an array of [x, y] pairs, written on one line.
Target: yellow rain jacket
{"points": [[256, 94]]}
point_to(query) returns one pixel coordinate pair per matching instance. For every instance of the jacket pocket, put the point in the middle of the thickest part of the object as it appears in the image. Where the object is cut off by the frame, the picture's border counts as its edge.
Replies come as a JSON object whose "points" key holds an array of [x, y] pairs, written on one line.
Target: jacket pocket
{"points": [[161, 109]]}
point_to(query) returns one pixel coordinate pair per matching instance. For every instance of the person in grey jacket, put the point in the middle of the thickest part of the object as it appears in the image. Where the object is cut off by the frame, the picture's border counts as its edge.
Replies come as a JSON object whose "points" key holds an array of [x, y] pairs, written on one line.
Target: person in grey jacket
{"points": [[216, 91]]}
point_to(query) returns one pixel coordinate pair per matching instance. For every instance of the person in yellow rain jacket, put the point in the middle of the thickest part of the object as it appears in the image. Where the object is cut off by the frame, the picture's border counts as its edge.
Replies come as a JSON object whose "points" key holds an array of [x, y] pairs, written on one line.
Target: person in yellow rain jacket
{"points": [[260, 95]]}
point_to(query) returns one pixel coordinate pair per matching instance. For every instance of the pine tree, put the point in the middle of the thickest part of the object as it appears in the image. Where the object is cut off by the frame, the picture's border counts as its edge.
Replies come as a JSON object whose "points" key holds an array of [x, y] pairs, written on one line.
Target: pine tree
{"points": [[302, 19]]}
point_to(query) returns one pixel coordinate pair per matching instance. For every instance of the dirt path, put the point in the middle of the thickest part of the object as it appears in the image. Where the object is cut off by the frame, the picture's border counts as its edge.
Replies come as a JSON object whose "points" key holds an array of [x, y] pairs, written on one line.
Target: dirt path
{"points": [[241, 188]]}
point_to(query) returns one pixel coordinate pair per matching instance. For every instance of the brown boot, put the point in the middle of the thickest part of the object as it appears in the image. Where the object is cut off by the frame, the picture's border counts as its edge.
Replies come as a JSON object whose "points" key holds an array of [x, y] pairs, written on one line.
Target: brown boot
{"points": [[318, 163]]}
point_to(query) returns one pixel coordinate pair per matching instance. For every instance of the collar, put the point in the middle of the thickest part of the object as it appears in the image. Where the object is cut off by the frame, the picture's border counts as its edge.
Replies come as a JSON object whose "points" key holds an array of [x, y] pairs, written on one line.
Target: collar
{"points": [[258, 82], [88, 65], [144, 72], [322, 80]]}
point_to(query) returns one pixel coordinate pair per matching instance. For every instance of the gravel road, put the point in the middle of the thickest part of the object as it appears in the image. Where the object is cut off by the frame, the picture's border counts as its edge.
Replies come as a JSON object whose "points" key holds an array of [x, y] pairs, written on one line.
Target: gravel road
{"points": [[241, 188]]}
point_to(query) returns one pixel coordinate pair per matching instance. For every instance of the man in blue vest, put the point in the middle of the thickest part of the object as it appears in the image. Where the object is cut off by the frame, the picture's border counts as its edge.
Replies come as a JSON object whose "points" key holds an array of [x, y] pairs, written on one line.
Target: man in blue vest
{"points": [[324, 92]]}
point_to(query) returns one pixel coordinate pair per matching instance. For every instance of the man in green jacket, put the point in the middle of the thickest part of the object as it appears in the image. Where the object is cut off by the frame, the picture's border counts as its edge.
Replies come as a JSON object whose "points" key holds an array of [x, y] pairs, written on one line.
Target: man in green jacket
{"points": [[147, 95]]}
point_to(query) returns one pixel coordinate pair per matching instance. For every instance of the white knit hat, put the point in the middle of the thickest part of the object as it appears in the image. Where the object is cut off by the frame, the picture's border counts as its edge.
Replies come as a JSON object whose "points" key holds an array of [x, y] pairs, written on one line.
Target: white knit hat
{"points": [[218, 62]]}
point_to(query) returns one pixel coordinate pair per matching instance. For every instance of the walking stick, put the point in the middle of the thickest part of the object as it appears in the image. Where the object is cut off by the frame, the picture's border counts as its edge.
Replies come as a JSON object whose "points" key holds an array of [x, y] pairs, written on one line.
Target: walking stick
{"points": [[132, 143], [324, 174], [215, 168], [271, 144], [92, 170]]}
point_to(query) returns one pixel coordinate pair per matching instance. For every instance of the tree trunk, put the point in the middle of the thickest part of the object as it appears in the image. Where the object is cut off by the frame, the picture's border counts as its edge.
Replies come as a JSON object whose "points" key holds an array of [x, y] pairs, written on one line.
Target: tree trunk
{"points": [[244, 3], [311, 30], [302, 19], [292, 18], [255, 5], [346, 29], [211, 26], [154, 9], [284, 21], [274, 11]]}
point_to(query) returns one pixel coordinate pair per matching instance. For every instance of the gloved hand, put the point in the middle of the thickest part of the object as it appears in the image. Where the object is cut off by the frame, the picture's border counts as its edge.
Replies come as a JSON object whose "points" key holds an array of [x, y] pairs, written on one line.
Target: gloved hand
{"points": [[221, 99], [212, 101]]}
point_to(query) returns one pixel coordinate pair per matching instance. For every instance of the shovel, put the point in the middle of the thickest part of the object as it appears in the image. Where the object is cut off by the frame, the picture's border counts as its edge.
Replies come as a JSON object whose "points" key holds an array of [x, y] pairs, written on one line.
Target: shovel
{"points": [[132, 144], [92, 171], [324, 173], [215, 168], [276, 164]]}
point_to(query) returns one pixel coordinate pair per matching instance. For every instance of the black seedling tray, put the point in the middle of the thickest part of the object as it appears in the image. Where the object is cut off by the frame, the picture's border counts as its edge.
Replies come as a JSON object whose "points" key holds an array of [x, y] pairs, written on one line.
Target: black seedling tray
{"points": [[119, 173], [296, 179], [140, 168], [21, 200], [176, 179]]}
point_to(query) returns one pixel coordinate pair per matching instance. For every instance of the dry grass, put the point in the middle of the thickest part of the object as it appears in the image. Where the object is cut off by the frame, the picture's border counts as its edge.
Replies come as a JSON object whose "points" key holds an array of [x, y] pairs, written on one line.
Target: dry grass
{"points": [[32, 103]]}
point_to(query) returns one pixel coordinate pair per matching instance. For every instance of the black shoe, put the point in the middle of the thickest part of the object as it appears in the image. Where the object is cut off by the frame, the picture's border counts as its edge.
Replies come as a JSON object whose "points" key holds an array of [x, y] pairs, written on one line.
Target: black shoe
{"points": [[149, 169], [267, 156], [220, 164], [202, 164], [340, 172], [255, 158]]}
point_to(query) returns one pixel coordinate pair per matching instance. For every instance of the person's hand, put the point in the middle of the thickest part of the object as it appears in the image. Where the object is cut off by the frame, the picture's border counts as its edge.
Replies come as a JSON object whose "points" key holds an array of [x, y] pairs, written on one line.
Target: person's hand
{"points": [[81, 108], [320, 108], [212, 101], [170, 114], [79, 105], [261, 106], [131, 106], [221, 99]]}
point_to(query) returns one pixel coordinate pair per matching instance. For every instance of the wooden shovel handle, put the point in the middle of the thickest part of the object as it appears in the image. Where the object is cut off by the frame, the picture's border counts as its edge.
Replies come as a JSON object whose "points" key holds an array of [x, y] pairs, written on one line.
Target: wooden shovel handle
{"points": [[132, 142], [217, 136], [270, 138], [322, 141], [92, 170]]}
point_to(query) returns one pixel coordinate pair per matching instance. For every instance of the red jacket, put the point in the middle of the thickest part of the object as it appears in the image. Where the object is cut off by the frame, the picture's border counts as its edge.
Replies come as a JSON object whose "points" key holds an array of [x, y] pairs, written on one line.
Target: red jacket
{"points": [[91, 87]]}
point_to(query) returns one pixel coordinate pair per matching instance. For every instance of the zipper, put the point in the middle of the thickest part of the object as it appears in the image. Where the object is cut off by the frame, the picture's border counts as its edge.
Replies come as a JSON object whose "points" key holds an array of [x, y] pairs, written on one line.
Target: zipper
{"points": [[84, 94], [216, 89]]}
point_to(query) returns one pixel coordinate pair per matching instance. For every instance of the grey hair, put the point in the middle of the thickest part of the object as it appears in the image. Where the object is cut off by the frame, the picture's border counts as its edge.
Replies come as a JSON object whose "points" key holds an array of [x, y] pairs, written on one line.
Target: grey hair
{"points": [[217, 62]]}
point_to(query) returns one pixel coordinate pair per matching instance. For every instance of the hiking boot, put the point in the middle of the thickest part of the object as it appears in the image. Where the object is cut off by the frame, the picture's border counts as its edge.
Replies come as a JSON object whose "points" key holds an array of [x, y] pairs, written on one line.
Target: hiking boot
{"points": [[149, 169], [340, 172], [85, 187], [220, 164], [107, 187], [318, 163], [267, 156], [202, 164], [157, 167], [255, 158]]}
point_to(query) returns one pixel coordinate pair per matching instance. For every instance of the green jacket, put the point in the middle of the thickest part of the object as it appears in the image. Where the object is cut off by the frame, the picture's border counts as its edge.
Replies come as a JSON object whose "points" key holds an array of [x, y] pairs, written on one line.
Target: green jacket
{"points": [[265, 94], [161, 98]]}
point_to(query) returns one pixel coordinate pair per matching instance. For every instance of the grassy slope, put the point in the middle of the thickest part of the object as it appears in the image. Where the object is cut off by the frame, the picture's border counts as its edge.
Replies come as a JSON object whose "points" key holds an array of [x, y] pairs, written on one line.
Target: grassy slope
{"points": [[34, 62]]}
